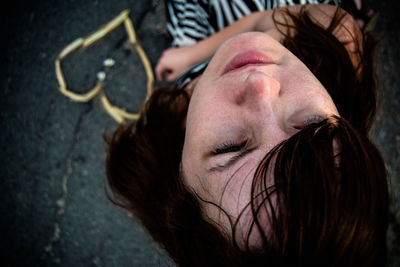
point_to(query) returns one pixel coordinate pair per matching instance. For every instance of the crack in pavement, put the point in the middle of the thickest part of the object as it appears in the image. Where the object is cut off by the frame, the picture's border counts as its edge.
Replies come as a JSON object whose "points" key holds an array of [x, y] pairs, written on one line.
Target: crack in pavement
{"points": [[61, 202]]}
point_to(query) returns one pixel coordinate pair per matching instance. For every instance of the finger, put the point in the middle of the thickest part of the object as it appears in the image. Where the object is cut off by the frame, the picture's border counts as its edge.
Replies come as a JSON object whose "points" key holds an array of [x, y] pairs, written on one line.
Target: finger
{"points": [[159, 72], [170, 76]]}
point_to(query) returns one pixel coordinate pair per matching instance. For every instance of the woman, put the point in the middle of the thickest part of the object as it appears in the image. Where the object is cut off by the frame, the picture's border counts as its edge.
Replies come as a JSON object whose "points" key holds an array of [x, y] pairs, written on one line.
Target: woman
{"points": [[264, 158]]}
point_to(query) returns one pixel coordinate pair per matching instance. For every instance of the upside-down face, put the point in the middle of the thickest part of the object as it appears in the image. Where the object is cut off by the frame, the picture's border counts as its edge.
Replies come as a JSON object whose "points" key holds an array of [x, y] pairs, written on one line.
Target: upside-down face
{"points": [[254, 94]]}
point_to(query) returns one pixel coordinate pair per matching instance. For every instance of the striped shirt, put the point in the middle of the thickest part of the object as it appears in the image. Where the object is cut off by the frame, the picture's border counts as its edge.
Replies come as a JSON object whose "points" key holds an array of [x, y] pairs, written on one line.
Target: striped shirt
{"points": [[189, 21]]}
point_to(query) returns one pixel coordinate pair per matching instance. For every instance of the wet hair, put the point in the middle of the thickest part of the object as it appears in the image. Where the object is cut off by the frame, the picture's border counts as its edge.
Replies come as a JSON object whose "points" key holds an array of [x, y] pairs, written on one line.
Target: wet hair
{"points": [[332, 205]]}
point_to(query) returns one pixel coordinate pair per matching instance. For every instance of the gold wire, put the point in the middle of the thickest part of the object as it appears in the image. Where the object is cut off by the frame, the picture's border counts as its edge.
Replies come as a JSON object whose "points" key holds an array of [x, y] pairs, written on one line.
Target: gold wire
{"points": [[111, 109], [130, 31], [132, 37], [118, 114], [71, 47], [106, 29]]}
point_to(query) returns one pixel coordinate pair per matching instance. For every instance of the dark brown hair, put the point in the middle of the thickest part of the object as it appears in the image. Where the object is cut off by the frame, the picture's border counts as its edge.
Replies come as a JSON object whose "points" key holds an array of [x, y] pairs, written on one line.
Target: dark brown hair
{"points": [[353, 88], [332, 205]]}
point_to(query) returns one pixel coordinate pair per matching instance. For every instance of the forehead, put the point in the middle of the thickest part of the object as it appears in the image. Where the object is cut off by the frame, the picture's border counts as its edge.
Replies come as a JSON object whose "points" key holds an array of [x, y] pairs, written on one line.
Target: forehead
{"points": [[225, 187]]}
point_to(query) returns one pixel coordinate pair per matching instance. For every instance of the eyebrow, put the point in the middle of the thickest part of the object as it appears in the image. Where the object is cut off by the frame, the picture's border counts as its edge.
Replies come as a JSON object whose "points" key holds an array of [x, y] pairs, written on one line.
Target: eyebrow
{"points": [[232, 161]]}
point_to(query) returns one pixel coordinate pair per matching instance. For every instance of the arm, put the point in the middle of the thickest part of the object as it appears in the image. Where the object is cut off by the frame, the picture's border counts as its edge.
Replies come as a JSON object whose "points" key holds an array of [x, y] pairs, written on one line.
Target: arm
{"points": [[174, 61]]}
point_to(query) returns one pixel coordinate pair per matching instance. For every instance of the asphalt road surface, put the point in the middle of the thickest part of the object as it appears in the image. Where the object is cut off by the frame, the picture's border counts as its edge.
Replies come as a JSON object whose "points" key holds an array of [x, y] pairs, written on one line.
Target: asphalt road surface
{"points": [[53, 208]]}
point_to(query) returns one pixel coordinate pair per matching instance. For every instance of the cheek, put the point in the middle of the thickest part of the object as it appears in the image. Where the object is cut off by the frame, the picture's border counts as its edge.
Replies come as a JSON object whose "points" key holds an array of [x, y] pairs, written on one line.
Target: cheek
{"points": [[202, 107], [296, 81], [302, 88]]}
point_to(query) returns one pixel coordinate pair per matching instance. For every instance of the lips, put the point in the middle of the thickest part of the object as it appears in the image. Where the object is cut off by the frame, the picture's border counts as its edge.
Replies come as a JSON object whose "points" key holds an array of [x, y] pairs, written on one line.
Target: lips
{"points": [[245, 59]]}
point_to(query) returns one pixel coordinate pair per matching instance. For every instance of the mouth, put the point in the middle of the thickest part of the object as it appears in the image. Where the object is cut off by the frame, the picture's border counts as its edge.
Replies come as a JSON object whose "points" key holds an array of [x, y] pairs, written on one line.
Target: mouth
{"points": [[245, 59]]}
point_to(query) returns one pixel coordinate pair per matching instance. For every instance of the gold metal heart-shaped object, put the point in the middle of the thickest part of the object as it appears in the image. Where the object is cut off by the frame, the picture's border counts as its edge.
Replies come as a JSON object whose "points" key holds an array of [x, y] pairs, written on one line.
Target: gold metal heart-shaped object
{"points": [[119, 114]]}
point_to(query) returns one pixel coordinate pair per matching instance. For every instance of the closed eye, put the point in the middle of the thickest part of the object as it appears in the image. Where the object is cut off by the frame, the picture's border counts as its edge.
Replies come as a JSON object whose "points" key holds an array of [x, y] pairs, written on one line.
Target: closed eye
{"points": [[229, 147], [311, 120], [232, 161]]}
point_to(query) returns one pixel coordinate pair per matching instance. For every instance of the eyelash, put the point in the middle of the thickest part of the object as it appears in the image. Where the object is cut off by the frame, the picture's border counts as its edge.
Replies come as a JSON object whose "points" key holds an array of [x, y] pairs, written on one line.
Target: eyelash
{"points": [[309, 121], [228, 147], [233, 146]]}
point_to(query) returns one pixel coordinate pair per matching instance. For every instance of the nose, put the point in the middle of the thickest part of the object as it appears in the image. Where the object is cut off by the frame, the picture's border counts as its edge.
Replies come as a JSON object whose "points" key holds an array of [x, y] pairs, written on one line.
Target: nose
{"points": [[258, 88], [258, 101]]}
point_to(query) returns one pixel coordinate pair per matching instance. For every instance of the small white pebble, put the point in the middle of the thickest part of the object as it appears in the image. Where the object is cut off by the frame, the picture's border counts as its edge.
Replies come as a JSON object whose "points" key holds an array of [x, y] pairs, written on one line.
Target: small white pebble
{"points": [[101, 75], [108, 62]]}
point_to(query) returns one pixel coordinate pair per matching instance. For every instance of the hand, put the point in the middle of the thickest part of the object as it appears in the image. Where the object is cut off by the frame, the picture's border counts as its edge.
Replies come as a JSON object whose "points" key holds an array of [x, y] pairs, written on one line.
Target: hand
{"points": [[174, 62]]}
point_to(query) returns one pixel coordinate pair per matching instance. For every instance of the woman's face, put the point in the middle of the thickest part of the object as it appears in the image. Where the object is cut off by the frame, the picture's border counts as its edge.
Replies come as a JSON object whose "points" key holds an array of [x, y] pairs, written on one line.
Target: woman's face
{"points": [[254, 94]]}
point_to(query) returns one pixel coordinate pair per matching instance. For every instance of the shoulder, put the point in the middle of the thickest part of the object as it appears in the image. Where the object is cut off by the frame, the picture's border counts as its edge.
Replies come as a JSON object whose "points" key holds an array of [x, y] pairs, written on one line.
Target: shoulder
{"points": [[346, 27], [341, 24]]}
